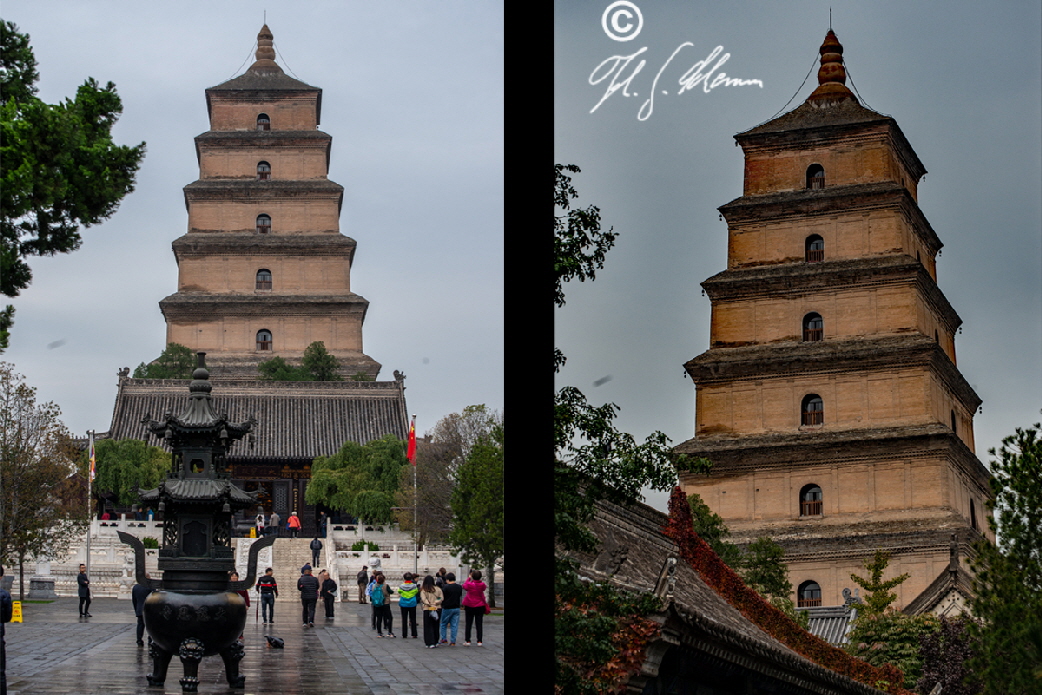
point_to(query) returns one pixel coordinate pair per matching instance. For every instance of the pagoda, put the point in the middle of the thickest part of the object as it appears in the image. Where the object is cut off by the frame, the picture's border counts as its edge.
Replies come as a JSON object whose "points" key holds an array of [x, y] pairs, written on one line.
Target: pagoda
{"points": [[829, 401], [263, 270]]}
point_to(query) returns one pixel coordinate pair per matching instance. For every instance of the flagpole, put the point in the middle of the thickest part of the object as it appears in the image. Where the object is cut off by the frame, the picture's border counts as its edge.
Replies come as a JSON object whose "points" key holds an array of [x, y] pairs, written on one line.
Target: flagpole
{"points": [[90, 481], [415, 499]]}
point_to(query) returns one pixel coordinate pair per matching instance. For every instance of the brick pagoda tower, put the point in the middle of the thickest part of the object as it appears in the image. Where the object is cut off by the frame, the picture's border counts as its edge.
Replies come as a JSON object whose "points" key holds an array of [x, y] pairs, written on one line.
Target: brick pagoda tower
{"points": [[829, 400], [264, 270]]}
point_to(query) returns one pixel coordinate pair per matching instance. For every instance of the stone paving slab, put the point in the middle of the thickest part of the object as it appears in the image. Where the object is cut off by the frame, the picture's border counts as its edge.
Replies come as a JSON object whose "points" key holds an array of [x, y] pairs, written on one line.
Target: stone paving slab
{"points": [[55, 652]]}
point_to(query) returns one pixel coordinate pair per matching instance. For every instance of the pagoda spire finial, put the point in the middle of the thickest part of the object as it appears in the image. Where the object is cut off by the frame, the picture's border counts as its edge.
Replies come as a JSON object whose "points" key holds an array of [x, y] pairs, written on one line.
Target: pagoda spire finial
{"points": [[832, 76], [265, 62]]}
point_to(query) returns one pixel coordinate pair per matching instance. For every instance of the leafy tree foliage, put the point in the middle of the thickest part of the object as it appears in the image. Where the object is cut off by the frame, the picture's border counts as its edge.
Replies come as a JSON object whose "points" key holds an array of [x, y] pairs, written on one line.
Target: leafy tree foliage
{"points": [[42, 503], [59, 167], [878, 597], [316, 365], [359, 479], [593, 460], [175, 362], [1008, 584], [478, 508], [124, 465], [946, 655], [711, 528], [439, 456], [892, 638], [882, 635]]}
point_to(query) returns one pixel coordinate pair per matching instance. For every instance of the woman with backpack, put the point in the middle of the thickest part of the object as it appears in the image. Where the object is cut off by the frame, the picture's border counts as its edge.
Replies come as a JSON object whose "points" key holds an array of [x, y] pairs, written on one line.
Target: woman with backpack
{"points": [[430, 598], [381, 597]]}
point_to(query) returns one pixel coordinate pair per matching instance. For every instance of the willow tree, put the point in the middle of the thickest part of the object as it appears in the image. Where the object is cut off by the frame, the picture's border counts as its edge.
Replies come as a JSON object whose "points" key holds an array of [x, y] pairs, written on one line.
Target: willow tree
{"points": [[359, 479]]}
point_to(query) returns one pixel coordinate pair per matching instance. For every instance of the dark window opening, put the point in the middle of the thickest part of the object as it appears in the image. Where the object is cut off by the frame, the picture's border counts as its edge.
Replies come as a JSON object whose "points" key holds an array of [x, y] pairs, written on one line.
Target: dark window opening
{"points": [[973, 515], [263, 122], [263, 279], [263, 224], [809, 594], [263, 171], [815, 176], [815, 247], [813, 410], [264, 340], [813, 327], [810, 501], [953, 422]]}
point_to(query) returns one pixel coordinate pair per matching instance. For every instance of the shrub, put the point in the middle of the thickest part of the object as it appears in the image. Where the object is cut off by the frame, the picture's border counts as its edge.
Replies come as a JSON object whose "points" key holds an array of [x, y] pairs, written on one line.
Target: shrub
{"points": [[150, 543]]}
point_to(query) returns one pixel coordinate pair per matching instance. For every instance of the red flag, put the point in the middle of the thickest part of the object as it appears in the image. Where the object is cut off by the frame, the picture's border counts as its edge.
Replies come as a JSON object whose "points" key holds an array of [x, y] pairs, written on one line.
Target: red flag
{"points": [[411, 453]]}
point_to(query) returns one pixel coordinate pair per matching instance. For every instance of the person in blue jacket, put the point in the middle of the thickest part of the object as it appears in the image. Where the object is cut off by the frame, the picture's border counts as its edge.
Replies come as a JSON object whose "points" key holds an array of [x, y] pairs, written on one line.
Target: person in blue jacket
{"points": [[407, 602]]}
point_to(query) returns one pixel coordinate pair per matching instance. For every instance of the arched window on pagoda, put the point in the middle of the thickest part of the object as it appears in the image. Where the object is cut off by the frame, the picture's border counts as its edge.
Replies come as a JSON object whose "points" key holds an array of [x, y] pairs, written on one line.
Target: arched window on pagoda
{"points": [[815, 249], [264, 339], [263, 122], [263, 171], [810, 500], [812, 410], [813, 327], [808, 595], [263, 224], [815, 176], [264, 280]]}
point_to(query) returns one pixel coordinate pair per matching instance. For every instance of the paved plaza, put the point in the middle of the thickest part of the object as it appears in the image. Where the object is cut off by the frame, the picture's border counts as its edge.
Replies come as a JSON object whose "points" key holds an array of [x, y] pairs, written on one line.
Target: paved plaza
{"points": [[55, 652]]}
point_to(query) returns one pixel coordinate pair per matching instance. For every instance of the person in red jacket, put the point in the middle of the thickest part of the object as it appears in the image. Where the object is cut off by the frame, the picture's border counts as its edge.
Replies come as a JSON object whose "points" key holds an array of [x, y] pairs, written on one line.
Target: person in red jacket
{"points": [[473, 605]]}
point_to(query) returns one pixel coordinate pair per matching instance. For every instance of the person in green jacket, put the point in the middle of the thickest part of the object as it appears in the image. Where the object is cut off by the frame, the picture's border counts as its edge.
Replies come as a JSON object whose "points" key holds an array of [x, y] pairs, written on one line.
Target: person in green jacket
{"points": [[407, 602]]}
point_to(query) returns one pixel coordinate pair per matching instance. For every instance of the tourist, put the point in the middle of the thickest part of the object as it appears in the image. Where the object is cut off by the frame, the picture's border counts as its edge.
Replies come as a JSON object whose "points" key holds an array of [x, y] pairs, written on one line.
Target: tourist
{"points": [[84, 592], [439, 578], [452, 595], [316, 548], [407, 602], [308, 588], [269, 591], [137, 599], [106, 516], [260, 524], [430, 599], [293, 524], [273, 524], [369, 594], [150, 515], [245, 595], [474, 605], [328, 594], [363, 582], [6, 613], [322, 521], [381, 597]]}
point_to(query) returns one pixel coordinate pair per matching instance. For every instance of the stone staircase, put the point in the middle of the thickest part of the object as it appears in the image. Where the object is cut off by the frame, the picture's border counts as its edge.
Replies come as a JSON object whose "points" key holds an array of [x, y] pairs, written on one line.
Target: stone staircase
{"points": [[289, 555]]}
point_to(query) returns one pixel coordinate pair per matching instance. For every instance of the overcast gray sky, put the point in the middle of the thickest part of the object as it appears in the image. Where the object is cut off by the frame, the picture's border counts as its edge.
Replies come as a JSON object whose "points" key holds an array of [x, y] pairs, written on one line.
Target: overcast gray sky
{"points": [[413, 97], [962, 79]]}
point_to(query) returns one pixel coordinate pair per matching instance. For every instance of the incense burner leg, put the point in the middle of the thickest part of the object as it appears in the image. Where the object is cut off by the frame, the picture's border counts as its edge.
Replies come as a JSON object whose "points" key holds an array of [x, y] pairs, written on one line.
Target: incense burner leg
{"points": [[160, 661], [191, 653], [232, 655]]}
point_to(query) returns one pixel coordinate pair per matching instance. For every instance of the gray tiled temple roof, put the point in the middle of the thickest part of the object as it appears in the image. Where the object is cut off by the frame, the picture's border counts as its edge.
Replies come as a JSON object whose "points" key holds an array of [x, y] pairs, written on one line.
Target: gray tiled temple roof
{"points": [[295, 420], [199, 489], [831, 623]]}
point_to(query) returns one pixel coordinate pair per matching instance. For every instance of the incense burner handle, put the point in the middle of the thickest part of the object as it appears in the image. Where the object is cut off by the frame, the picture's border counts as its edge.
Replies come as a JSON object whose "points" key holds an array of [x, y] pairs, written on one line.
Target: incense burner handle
{"points": [[251, 565], [139, 561]]}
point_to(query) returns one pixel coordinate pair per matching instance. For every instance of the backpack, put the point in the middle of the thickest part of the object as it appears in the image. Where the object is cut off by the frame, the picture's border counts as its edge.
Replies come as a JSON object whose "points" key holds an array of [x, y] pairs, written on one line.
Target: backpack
{"points": [[378, 595]]}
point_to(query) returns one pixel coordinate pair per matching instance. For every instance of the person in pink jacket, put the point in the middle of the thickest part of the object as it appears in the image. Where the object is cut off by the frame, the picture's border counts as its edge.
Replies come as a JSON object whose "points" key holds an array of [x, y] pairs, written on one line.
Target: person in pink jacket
{"points": [[473, 605]]}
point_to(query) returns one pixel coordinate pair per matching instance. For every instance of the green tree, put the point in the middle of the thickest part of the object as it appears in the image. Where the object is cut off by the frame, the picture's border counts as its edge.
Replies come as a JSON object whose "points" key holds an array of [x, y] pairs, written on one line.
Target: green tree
{"points": [[431, 495], [317, 365], [880, 634], [594, 625], [59, 167], [878, 597], [175, 362], [1007, 594], [478, 510], [321, 365], [711, 528], [360, 479], [764, 569], [124, 465], [40, 510]]}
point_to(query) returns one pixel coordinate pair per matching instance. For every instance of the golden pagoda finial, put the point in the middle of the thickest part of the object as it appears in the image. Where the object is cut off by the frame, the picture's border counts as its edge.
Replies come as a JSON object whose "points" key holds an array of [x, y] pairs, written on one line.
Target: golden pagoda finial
{"points": [[832, 77]]}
